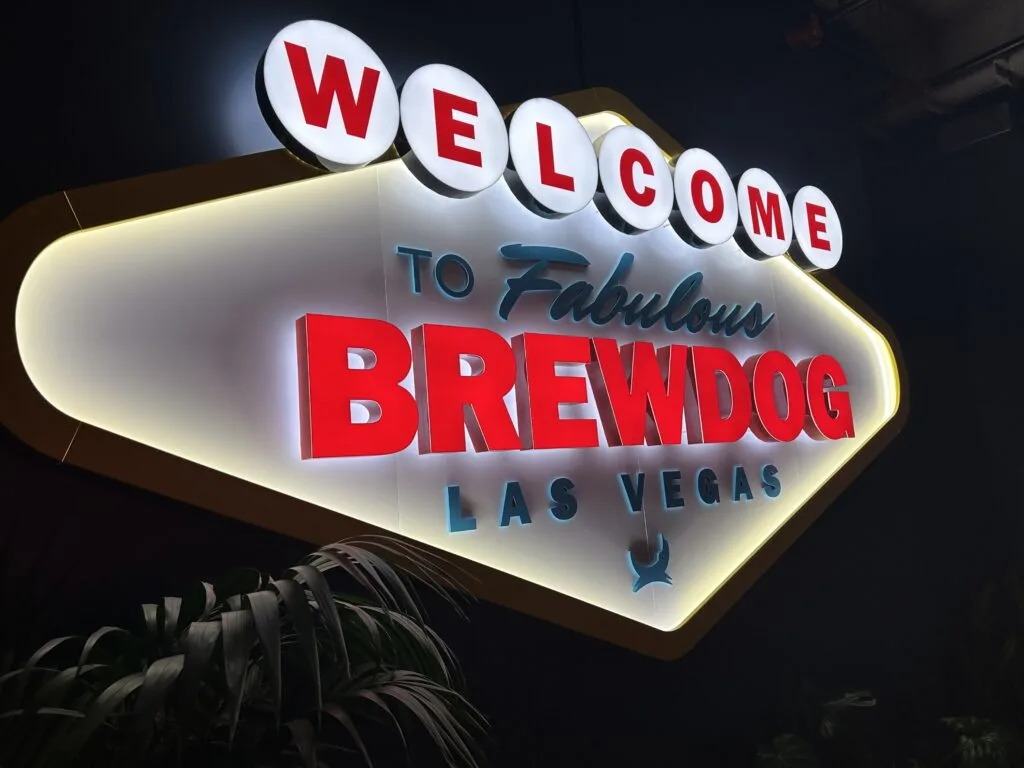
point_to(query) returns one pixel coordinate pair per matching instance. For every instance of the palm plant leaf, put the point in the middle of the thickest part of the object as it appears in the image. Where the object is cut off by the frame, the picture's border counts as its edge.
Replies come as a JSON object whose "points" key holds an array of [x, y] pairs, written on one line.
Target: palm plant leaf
{"points": [[288, 661], [431, 711], [787, 751], [159, 678], [412, 644], [386, 712], [981, 742], [199, 642], [100, 711], [345, 719], [304, 738], [92, 643], [351, 562], [425, 567], [315, 582], [237, 634], [198, 603], [24, 675], [45, 724], [42, 711], [267, 621], [55, 690], [172, 612], [301, 619], [151, 615]]}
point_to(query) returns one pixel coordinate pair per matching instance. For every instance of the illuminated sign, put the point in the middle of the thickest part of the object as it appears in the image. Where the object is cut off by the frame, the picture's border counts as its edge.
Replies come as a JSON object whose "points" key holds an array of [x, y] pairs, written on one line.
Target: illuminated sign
{"points": [[543, 341]]}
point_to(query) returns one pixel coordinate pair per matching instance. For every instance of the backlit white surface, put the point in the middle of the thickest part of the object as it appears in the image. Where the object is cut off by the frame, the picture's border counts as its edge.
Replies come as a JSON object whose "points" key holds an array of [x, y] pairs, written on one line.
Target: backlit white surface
{"points": [[572, 153], [610, 148], [805, 247], [178, 330], [334, 144], [763, 244], [490, 137], [696, 221]]}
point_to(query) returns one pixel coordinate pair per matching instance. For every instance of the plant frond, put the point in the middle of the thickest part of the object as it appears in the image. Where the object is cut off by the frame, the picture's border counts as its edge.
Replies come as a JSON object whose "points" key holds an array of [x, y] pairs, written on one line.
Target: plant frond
{"points": [[253, 664]]}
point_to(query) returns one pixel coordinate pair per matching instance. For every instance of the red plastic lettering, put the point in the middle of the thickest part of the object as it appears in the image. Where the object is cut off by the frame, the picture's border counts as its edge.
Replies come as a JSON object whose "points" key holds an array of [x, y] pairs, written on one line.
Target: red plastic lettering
{"points": [[711, 426], [316, 101], [816, 227], [450, 401], [829, 414], [447, 127], [701, 179], [328, 387], [761, 210], [630, 158], [767, 423], [546, 149], [639, 391], [541, 390]]}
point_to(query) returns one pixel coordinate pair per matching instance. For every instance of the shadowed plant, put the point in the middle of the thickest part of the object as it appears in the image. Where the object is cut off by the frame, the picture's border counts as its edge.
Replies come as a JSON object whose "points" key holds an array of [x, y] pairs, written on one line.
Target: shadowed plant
{"points": [[319, 667], [992, 659], [951, 742], [787, 751], [981, 743], [832, 733]]}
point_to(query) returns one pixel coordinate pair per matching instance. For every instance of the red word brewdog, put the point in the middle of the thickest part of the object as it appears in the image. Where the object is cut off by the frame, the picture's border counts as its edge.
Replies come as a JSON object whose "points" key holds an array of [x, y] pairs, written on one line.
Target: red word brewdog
{"points": [[637, 404], [604, 375]]}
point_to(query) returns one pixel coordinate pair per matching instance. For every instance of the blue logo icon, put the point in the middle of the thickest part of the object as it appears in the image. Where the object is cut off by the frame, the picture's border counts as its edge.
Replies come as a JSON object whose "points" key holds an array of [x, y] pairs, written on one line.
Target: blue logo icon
{"points": [[656, 572]]}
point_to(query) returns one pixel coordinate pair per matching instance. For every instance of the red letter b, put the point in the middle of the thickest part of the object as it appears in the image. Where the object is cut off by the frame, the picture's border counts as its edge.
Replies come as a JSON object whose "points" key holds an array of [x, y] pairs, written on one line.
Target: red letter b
{"points": [[328, 387]]}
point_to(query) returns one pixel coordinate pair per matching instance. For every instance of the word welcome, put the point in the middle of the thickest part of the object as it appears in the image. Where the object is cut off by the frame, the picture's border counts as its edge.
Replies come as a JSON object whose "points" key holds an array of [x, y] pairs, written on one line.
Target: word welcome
{"points": [[458, 143], [639, 391]]}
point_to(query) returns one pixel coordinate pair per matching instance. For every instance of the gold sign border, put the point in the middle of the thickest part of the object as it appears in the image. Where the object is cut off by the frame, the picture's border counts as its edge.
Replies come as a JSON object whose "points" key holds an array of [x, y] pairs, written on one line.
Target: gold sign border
{"points": [[28, 231]]}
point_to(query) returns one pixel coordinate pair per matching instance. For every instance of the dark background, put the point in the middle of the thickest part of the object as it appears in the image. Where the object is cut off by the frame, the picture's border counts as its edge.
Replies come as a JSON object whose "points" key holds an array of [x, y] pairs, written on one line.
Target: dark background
{"points": [[873, 596]]}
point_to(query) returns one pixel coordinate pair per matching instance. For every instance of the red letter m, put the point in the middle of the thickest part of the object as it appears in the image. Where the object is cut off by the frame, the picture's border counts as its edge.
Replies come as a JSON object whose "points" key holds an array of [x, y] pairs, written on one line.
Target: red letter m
{"points": [[761, 210]]}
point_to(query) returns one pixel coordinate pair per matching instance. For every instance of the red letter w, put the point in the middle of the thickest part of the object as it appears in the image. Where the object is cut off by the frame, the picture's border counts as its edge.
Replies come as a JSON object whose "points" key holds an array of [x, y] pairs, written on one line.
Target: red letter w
{"points": [[639, 391], [317, 101]]}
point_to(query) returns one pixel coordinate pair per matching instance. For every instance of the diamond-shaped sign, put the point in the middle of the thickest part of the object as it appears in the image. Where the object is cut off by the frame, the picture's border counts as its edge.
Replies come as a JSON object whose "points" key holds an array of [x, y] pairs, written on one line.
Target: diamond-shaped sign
{"points": [[203, 334]]}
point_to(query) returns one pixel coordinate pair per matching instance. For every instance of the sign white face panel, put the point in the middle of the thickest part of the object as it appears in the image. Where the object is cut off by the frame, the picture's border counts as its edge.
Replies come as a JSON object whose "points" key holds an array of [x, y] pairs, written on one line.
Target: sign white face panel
{"points": [[331, 93], [706, 198], [767, 224], [540, 131], [817, 231], [191, 330], [454, 129], [635, 179]]}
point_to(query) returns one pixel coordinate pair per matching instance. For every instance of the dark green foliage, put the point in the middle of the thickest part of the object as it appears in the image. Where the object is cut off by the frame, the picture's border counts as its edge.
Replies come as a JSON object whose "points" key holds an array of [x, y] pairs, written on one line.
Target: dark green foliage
{"points": [[842, 740], [988, 677], [787, 751], [980, 742], [295, 671]]}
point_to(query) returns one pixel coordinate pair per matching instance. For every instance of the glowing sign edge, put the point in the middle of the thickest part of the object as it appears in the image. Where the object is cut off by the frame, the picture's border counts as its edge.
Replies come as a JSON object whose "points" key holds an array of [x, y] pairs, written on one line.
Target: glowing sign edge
{"points": [[27, 232]]}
